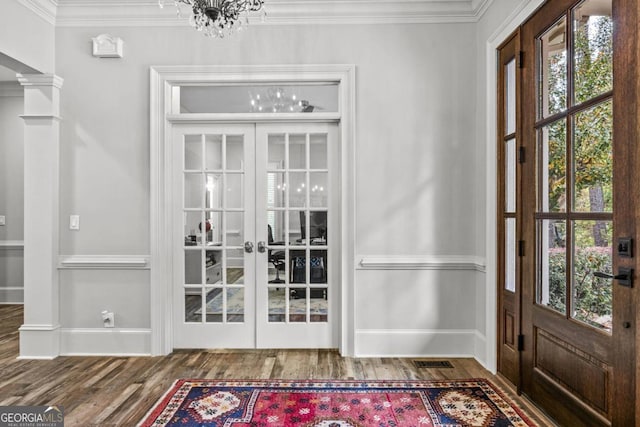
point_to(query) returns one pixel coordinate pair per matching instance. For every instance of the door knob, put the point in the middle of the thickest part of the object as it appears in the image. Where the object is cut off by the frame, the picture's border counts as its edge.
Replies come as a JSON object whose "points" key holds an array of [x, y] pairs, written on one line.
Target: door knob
{"points": [[624, 276], [248, 247], [262, 247]]}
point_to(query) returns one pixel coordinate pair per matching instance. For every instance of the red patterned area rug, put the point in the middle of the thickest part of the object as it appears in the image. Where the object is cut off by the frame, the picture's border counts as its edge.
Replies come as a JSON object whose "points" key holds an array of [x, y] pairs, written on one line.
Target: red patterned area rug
{"points": [[334, 403]]}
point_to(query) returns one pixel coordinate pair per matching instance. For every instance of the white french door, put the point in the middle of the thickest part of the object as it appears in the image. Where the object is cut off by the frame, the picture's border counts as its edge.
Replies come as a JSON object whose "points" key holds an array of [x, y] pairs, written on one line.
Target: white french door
{"points": [[254, 258]]}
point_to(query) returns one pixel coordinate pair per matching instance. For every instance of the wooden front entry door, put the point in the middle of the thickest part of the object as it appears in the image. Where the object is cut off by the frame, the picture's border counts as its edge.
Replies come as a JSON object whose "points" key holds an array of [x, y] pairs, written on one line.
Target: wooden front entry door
{"points": [[577, 211]]}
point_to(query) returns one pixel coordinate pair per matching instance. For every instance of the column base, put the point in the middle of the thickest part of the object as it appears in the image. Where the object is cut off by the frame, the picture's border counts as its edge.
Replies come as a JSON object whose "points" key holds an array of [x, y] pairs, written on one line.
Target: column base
{"points": [[39, 342]]}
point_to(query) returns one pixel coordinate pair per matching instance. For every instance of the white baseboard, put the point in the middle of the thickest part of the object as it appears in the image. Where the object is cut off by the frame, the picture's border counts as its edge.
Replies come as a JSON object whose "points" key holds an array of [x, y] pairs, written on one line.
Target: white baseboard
{"points": [[415, 343], [105, 342], [12, 295], [481, 349]]}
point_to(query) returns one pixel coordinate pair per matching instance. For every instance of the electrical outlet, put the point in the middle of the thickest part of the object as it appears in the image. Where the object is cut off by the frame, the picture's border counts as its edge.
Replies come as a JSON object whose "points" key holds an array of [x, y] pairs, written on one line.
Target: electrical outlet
{"points": [[108, 319], [2, 220]]}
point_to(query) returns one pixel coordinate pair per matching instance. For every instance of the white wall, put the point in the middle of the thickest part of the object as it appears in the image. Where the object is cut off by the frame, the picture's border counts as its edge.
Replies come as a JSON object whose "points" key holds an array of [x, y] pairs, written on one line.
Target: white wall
{"points": [[26, 37], [415, 179], [11, 192]]}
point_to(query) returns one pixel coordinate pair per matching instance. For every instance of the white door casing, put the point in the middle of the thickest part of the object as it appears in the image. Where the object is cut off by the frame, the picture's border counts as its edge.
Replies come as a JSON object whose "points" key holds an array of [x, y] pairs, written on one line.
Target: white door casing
{"points": [[163, 81]]}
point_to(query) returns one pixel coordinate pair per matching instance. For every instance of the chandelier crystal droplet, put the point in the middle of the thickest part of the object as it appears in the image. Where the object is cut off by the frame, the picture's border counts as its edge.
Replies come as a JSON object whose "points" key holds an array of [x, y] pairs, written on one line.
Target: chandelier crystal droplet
{"points": [[219, 18]]}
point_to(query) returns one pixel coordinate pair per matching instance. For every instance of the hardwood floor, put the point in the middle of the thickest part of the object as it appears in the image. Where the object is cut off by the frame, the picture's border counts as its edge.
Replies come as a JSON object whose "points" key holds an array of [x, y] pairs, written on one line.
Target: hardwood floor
{"points": [[118, 391]]}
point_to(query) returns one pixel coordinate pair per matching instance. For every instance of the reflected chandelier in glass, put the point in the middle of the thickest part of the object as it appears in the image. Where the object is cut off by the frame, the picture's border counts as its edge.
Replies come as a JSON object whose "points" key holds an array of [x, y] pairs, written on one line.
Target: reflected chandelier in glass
{"points": [[217, 18]]}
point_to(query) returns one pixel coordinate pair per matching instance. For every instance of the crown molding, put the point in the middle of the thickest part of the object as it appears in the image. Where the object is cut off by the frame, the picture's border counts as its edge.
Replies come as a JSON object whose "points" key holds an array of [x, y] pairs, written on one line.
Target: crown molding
{"points": [[120, 13], [45, 9]]}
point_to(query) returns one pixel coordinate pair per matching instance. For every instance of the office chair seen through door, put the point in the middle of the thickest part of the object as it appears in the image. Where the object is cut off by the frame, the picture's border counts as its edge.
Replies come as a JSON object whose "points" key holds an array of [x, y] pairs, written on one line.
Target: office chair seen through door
{"points": [[275, 257]]}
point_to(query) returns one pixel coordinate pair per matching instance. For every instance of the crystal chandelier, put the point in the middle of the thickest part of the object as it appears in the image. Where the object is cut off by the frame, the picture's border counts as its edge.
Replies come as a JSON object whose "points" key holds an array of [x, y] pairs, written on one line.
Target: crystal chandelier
{"points": [[217, 18], [276, 100]]}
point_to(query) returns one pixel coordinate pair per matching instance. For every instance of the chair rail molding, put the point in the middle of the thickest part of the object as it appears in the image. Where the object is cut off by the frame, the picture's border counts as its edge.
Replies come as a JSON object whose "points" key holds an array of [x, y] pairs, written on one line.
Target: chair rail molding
{"points": [[421, 262], [101, 262], [11, 244]]}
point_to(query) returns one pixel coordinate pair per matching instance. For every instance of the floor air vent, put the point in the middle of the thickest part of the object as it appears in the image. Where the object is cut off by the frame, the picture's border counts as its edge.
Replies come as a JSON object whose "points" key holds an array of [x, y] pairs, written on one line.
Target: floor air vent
{"points": [[430, 364]]}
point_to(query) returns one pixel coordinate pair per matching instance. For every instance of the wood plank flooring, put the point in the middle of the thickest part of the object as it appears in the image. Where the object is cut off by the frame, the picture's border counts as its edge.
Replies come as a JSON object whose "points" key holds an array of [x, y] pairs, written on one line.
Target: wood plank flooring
{"points": [[118, 391]]}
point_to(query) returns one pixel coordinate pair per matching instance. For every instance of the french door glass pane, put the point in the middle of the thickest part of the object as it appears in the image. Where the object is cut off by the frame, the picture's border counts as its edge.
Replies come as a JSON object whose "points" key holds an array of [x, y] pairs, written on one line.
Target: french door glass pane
{"points": [[296, 220], [510, 255], [193, 305], [299, 259], [214, 225], [192, 267], [297, 152], [277, 224], [298, 189], [276, 191], [593, 49], [277, 302], [552, 280], [553, 159], [213, 228], [318, 151], [318, 189], [193, 152], [319, 305], [510, 175], [276, 151], [510, 97], [234, 152], [552, 68], [593, 166], [297, 305], [234, 194], [235, 305], [193, 190], [235, 267], [213, 195], [214, 305], [213, 152], [192, 221]]}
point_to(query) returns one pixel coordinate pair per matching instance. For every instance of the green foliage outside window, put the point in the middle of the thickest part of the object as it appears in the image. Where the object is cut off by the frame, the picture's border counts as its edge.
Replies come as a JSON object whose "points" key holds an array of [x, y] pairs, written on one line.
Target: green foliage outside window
{"points": [[592, 169]]}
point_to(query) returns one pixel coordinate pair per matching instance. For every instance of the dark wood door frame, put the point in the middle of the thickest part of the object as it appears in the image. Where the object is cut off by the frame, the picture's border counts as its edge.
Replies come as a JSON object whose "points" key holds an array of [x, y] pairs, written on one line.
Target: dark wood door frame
{"points": [[626, 198]]}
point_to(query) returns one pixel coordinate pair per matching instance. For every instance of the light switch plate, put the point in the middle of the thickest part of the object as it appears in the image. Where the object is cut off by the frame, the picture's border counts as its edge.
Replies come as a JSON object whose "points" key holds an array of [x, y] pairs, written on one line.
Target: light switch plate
{"points": [[74, 222], [2, 220]]}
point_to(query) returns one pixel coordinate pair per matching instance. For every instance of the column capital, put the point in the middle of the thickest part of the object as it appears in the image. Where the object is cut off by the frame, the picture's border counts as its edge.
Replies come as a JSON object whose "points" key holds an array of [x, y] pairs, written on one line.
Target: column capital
{"points": [[40, 80]]}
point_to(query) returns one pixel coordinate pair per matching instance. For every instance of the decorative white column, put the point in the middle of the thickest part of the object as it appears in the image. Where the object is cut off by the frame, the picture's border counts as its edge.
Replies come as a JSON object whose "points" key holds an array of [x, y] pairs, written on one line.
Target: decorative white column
{"points": [[40, 333]]}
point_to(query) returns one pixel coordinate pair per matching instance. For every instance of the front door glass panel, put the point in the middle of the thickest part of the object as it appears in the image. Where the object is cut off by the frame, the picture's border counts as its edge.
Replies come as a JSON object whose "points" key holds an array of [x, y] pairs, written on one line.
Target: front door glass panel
{"points": [[574, 216], [593, 47], [552, 68]]}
